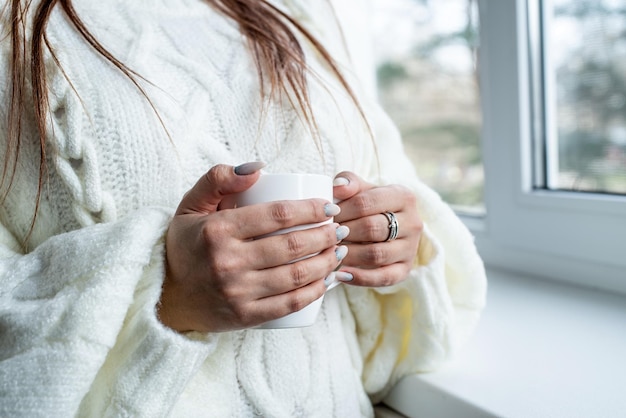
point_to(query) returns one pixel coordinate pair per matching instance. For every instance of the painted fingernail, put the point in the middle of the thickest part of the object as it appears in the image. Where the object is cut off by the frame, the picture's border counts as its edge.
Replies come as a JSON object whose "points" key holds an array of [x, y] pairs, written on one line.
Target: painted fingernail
{"points": [[341, 181], [342, 232], [341, 252], [249, 168], [329, 279], [330, 209], [344, 276]]}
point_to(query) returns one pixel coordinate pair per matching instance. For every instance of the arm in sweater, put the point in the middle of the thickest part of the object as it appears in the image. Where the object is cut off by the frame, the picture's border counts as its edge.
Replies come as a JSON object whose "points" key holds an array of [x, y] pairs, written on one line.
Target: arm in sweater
{"points": [[416, 325], [78, 324], [78, 330]]}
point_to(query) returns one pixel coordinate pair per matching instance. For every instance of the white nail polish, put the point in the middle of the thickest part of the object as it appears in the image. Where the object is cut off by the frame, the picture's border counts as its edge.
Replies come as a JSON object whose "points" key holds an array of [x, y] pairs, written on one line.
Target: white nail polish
{"points": [[249, 168], [342, 232], [329, 279], [341, 252], [344, 276], [330, 209], [341, 181]]}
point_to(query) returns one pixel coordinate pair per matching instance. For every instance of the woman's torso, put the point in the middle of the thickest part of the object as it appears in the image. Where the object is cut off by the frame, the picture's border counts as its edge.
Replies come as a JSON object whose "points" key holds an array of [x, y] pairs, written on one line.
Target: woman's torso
{"points": [[110, 155]]}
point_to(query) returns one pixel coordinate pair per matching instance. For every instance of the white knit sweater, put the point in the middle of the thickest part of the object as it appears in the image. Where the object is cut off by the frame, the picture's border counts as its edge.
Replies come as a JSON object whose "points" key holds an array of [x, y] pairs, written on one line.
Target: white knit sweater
{"points": [[78, 331]]}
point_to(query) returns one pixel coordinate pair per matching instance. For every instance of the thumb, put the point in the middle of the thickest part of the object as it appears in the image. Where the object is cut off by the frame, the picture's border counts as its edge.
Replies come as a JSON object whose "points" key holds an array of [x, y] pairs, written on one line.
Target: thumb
{"points": [[347, 184], [221, 180]]}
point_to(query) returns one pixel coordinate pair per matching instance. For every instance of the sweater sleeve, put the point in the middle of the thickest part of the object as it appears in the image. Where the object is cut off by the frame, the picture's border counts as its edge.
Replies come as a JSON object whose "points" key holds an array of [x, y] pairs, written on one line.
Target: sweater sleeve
{"points": [[79, 335], [79, 330], [418, 324]]}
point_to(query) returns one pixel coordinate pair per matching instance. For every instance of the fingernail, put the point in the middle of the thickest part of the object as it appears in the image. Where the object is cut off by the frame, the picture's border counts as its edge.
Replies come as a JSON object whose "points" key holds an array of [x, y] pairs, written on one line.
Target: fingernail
{"points": [[329, 279], [343, 276], [249, 168], [341, 252], [342, 232], [330, 209], [341, 181]]}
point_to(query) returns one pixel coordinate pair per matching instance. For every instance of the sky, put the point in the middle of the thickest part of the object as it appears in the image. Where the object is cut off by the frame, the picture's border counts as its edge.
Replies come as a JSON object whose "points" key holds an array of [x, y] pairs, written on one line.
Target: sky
{"points": [[400, 24]]}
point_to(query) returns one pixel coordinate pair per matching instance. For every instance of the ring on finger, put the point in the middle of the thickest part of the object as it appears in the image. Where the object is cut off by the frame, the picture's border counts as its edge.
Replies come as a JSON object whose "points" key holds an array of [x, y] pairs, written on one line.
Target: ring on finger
{"points": [[393, 226]]}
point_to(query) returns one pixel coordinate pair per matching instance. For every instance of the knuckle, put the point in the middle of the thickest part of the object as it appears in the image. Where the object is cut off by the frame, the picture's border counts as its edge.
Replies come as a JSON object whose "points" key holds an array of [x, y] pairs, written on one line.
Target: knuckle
{"points": [[221, 266], [297, 302], [387, 280], [375, 255], [229, 293], [241, 314], [363, 204], [213, 175], [298, 273], [294, 245], [282, 212], [373, 227], [208, 234], [215, 231], [317, 209]]}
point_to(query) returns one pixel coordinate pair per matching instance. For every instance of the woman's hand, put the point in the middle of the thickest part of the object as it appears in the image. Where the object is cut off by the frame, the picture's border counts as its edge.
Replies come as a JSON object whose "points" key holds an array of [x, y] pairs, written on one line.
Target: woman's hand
{"points": [[219, 278], [372, 260]]}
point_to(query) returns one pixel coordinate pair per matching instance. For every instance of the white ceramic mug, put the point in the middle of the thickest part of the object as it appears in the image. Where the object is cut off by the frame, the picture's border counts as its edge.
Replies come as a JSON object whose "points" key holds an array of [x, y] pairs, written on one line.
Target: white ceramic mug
{"points": [[288, 186]]}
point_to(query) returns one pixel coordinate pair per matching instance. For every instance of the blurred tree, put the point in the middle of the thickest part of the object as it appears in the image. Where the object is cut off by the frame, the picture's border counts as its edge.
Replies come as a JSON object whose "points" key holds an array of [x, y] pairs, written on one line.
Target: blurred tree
{"points": [[436, 108], [467, 36], [389, 72], [592, 86]]}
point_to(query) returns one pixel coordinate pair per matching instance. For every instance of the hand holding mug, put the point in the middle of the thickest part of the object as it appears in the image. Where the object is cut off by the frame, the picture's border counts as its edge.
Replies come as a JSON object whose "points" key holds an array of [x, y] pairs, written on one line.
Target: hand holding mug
{"points": [[377, 256], [219, 277]]}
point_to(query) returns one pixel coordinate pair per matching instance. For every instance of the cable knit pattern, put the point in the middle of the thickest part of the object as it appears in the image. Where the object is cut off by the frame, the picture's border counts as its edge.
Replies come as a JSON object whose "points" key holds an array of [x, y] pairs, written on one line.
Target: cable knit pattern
{"points": [[75, 159], [78, 331]]}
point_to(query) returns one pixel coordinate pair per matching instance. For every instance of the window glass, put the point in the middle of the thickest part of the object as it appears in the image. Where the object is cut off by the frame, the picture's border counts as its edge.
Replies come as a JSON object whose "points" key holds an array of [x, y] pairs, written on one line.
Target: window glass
{"points": [[585, 78], [426, 56]]}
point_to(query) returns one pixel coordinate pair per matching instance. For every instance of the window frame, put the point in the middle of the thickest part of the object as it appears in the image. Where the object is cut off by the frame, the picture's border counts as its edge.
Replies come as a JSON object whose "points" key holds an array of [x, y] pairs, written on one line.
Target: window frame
{"points": [[575, 237]]}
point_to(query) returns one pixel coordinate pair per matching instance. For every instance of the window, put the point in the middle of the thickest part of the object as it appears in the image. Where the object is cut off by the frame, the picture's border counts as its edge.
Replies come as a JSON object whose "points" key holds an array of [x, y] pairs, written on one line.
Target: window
{"points": [[428, 83], [549, 231], [584, 86], [552, 141]]}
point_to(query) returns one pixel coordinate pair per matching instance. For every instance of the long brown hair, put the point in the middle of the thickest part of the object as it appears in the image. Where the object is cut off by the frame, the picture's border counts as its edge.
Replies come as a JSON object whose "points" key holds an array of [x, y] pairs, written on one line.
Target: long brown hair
{"points": [[279, 59]]}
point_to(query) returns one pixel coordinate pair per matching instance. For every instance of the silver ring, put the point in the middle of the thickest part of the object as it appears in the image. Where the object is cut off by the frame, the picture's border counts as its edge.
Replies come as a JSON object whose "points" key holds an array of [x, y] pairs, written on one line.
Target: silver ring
{"points": [[393, 226]]}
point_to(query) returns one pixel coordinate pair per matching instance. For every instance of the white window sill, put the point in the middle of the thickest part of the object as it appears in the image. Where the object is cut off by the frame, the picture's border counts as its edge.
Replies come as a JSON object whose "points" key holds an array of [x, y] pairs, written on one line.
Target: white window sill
{"points": [[542, 349]]}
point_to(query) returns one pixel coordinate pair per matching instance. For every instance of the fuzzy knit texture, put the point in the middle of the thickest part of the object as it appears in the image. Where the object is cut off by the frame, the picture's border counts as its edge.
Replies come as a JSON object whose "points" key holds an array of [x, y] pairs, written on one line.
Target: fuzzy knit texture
{"points": [[78, 331]]}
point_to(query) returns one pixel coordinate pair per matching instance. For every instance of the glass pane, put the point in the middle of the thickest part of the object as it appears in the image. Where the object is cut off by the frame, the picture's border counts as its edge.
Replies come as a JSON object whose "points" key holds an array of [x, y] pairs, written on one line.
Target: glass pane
{"points": [[426, 55], [586, 62]]}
